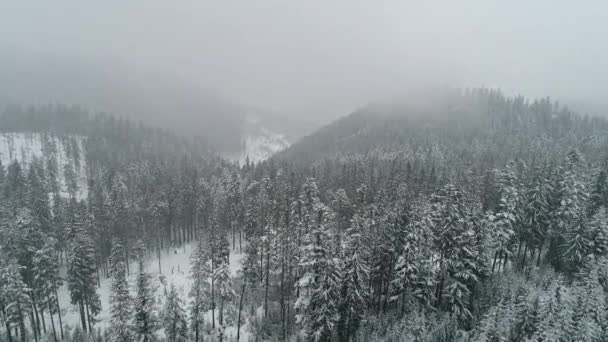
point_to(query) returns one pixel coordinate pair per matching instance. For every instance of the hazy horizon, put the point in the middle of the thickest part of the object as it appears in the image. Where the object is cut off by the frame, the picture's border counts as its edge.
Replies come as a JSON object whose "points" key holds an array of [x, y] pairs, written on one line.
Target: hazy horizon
{"points": [[315, 60]]}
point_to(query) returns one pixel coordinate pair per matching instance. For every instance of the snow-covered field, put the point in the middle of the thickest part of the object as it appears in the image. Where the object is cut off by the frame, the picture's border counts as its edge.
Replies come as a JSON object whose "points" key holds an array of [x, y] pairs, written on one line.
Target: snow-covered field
{"points": [[259, 143], [24, 147], [175, 267]]}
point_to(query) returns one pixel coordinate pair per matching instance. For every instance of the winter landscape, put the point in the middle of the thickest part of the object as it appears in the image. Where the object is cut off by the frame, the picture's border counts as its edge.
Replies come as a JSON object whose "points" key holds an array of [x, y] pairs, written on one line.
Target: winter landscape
{"points": [[303, 171]]}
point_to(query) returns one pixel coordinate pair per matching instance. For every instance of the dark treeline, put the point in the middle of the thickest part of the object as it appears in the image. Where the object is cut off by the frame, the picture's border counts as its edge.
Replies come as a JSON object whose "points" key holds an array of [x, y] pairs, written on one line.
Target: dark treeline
{"points": [[484, 220]]}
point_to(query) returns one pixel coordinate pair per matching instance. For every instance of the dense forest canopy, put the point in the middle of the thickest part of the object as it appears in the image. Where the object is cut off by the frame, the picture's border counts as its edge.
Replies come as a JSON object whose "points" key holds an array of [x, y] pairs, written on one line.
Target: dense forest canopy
{"points": [[467, 216]]}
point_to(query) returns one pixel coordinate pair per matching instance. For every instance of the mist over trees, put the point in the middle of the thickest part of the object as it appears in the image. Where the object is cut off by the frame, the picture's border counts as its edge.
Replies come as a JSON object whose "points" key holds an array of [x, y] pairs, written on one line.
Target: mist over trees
{"points": [[478, 217]]}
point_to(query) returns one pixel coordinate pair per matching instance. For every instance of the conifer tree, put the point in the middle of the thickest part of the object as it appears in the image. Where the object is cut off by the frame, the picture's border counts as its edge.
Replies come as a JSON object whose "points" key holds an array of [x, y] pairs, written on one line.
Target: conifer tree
{"points": [[319, 288], [504, 220], [146, 321], [46, 279], [355, 276], [200, 273], [81, 278], [121, 304], [16, 301], [174, 318]]}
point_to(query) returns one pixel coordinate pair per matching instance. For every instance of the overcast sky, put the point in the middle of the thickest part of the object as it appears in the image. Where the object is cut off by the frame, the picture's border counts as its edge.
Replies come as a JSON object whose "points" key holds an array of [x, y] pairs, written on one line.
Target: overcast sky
{"points": [[325, 58]]}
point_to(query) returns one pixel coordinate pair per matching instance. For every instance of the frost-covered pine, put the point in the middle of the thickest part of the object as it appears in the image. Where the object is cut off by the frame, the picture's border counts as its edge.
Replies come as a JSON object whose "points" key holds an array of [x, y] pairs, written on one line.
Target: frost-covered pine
{"points": [[221, 275], [458, 268], [15, 300], [414, 271], [82, 281], [47, 278], [120, 300], [174, 318], [570, 215], [505, 218], [536, 213], [200, 273], [589, 321], [146, 321], [354, 283], [317, 304], [599, 194]]}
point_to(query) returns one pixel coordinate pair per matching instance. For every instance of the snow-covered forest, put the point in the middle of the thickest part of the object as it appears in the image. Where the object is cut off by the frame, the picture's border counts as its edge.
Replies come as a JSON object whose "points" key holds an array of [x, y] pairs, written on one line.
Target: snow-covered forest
{"points": [[485, 219]]}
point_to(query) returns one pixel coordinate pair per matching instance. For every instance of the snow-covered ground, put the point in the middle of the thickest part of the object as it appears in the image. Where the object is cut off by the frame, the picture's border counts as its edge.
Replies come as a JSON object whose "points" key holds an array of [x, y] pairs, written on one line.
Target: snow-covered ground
{"points": [[175, 268], [24, 147], [259, 143]]}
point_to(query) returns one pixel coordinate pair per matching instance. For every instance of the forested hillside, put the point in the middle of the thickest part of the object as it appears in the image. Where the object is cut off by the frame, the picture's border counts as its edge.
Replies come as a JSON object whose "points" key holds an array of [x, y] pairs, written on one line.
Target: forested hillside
{"points": [[469, 216]]}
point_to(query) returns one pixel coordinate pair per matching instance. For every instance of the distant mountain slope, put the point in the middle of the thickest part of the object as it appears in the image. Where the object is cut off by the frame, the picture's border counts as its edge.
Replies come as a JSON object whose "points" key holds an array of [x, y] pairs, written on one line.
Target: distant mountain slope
{"points": [[69, 151], [157, 99], [456, 126], [70, 146]]}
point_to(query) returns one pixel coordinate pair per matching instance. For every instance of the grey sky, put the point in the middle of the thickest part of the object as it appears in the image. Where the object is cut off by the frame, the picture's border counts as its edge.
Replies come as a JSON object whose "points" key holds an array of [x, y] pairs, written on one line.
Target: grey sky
{"points": [[321, 59]]}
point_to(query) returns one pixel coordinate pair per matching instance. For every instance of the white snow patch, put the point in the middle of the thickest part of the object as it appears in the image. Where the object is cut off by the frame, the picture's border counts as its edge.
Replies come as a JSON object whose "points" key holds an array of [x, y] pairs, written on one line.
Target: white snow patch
{"points": [[259, 143], [175, 269], [24, 147]]}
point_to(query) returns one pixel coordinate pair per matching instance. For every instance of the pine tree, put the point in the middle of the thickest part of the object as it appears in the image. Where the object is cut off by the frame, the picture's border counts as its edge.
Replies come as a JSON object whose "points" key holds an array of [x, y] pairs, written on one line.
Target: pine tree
{"points": [[536, 215], [120, 299], [14, 297], [319, 285], [174, 318], [570, 242], [599, 194], [414, 273], [221, 275], [200, 272], [146, 321], [46, 279], [355, 276], [505, 218], [456, 241], [82, 280]]}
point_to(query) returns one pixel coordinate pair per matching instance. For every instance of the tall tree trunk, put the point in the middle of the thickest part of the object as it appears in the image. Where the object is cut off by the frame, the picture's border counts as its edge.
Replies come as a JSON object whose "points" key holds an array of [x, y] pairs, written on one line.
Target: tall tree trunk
{"points": [[196, 307], [21, 323], [160, 271], [98, 277], [212, 295], [494, 263], [7, 325], [43, 320], [35, 331], [267, 283], [58, 310], [221, 318], [35, 314], [8, 331], [240, 240], [238, 322], [523, 262], [48, 300], [282, 301], [83, 321], [89, 318], [519, 249]]}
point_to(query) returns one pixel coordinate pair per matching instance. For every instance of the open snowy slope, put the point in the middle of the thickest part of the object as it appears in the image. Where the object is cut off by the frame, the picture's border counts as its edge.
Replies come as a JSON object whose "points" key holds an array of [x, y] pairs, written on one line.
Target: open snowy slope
{"points": [[24, 147], [174, 269], [258, 142]]}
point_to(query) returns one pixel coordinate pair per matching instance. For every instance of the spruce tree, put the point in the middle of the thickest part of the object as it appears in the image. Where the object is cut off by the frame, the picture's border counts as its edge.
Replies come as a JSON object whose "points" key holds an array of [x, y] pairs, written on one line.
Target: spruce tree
{"points": [[146, 321], [319, 288], [121, 304], [200, 273], [355, 276], [174, 318], [82, 282], [15, 297]]}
